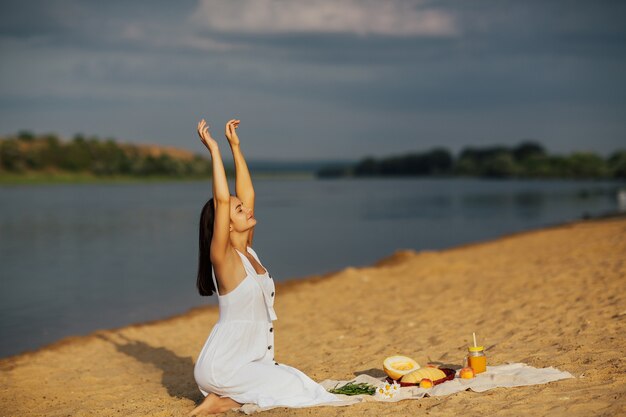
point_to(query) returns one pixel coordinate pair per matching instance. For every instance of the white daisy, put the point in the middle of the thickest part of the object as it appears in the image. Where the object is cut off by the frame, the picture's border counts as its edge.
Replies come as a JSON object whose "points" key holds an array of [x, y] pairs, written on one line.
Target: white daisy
{"points": [[386, 391]]}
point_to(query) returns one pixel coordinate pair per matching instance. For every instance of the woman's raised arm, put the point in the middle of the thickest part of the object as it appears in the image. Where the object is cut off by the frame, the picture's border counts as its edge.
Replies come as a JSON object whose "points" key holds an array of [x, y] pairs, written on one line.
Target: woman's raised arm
{"points": [[243, 181], [221, 197]]}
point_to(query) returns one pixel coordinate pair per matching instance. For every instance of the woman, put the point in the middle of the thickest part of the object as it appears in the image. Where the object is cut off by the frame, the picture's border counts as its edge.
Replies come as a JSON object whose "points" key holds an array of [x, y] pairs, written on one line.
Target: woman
{"points": [[236, 364]]}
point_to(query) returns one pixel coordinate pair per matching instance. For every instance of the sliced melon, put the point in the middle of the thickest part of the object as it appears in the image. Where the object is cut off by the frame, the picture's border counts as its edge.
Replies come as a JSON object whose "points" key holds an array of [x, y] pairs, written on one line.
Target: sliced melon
{"points": [[397, 366], [429, 372]]}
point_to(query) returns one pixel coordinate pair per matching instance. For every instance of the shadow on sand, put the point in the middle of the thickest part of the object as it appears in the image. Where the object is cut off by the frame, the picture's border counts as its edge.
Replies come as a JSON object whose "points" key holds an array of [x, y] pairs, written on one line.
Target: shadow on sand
{"points": [[376, 373], [177, 375]]}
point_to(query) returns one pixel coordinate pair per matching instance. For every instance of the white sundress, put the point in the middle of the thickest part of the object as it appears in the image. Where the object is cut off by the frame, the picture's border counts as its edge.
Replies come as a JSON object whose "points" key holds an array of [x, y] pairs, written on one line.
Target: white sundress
{"points": [[237, 359]]}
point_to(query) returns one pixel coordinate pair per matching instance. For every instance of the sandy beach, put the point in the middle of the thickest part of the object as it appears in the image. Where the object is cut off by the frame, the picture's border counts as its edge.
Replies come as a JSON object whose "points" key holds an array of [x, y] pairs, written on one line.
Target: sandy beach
{"points": [[549, 297]]}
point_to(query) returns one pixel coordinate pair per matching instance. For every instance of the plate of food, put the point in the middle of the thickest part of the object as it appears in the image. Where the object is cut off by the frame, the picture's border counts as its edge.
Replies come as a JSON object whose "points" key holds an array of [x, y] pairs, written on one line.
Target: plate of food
{"points": [[407, 372]]}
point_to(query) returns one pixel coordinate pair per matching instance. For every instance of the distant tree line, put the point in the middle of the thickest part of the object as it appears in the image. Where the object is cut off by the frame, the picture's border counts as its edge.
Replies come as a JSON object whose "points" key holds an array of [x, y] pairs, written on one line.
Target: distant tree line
{"points": [[26, 152], [526, 160]]}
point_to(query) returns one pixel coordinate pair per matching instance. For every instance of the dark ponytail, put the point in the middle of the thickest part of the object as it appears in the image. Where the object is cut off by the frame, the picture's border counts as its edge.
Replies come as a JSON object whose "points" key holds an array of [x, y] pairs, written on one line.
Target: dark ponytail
{"points": [[207, 218]]}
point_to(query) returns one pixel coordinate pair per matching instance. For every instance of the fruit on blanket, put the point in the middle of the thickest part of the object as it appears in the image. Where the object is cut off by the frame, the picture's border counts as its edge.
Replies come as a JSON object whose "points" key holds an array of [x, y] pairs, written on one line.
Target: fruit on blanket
{"points": [[426, 383], [397, 366], [466, 373], [429, 372]]}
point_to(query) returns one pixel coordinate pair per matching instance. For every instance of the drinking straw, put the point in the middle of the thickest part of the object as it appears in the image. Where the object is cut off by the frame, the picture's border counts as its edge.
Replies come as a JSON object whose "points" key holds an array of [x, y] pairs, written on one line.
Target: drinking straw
{"points": [[474, 335]]}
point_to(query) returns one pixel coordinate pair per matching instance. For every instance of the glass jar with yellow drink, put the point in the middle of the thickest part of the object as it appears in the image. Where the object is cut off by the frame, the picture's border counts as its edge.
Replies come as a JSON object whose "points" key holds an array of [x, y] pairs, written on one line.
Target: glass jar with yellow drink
{"points": [[476, 359]]}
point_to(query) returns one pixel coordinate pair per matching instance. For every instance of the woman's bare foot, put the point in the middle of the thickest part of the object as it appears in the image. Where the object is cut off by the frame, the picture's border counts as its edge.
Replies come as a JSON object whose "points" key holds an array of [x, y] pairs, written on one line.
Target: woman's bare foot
{"points": [[213, 404]]}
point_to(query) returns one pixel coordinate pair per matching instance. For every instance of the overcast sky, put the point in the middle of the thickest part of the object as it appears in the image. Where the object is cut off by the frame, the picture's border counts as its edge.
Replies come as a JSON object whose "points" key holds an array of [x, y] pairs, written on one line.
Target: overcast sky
{"points": [[318, 79]]}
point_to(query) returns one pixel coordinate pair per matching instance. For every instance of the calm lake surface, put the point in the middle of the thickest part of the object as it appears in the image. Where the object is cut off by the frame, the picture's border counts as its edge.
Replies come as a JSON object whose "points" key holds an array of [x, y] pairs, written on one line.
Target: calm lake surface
{"points": [[77, 258]]}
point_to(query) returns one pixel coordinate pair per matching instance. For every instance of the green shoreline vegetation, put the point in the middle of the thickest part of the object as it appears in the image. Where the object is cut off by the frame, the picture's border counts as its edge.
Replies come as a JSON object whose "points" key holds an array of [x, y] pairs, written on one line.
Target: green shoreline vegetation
{"points": [[27, 158], [526, 160]]}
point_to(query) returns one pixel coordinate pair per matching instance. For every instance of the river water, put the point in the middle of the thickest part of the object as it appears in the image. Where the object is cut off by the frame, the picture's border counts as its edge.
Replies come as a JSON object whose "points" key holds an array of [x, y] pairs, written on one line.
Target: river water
{"points": [[77, 258]]}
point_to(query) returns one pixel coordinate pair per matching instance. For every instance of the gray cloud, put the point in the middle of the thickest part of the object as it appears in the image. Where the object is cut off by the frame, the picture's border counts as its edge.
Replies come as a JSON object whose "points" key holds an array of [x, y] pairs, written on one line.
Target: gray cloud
{"points": [[361, 17]]}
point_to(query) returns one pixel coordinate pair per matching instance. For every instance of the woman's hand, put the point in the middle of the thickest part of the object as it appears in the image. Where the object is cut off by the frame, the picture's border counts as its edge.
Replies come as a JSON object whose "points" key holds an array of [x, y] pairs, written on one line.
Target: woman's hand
{"points": [[205, 136], [231, 135]]}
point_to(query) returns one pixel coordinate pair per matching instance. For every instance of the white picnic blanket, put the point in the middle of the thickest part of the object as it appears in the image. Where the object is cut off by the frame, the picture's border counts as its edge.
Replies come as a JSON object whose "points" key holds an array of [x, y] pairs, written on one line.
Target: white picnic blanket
{"points": [[508, 375]]}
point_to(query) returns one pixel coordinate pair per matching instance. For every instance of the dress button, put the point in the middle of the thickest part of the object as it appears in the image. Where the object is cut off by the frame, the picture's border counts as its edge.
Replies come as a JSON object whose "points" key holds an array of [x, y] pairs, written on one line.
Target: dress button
{"points": [[271, 329], [269, 347], [272, 293]]}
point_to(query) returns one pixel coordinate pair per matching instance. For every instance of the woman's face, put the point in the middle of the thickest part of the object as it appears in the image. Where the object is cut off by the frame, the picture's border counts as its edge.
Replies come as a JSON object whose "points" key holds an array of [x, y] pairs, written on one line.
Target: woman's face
{"points": [[241, 217]]}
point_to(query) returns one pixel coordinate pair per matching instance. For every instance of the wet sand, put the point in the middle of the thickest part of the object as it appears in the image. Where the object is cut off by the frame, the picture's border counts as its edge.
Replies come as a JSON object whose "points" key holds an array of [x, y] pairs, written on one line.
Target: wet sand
{"points": [[549, 297]]}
